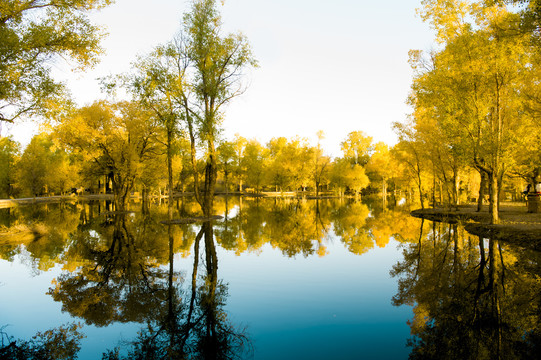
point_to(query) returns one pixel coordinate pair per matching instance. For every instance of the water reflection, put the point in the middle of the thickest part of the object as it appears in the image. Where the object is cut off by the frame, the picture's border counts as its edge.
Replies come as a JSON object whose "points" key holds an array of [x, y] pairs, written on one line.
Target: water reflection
{"points": [[190, 322], [474, 298], [61, 233], [123, 267], [113, 272]]}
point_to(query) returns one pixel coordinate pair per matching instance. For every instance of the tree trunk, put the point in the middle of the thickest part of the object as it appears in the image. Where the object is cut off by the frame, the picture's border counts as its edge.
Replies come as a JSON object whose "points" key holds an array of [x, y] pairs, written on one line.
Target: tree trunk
{"points": [[170, 173], [481, 191], [226, 183], [493, 202], [210, 179]]}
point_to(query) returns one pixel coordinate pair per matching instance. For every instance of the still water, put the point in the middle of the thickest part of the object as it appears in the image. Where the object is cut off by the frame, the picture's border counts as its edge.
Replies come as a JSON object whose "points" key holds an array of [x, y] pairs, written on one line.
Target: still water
{"points": [[273, 279]]}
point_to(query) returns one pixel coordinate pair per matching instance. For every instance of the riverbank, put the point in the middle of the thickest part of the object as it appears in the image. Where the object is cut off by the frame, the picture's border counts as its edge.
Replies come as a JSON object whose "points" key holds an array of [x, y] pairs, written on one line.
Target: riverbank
{"points": [[516, 226], [7, 203]]}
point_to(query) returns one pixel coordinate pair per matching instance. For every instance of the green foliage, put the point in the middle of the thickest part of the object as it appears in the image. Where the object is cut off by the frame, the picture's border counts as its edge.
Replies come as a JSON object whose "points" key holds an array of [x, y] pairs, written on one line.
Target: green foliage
{"points": [[9, 152], [45, 168], [33, 34], [113, 140], [254, 161]]}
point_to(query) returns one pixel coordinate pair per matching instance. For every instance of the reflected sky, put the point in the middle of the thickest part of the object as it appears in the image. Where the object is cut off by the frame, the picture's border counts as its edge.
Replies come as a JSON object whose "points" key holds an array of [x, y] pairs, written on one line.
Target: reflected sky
{"points": [[332, 307]]}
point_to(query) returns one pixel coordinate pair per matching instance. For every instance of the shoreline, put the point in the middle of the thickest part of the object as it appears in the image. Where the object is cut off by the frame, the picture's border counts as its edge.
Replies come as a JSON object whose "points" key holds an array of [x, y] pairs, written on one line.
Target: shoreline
{"points": [[9, 203], [516, 225]]}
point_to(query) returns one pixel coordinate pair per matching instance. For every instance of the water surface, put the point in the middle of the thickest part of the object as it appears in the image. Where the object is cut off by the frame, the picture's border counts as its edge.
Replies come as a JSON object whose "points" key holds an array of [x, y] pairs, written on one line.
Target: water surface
{"points": [[274, 279]]}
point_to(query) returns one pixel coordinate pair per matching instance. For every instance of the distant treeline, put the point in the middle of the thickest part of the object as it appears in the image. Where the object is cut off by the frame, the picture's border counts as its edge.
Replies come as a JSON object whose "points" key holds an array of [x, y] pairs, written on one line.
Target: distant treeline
{"points": [[47, 167]]}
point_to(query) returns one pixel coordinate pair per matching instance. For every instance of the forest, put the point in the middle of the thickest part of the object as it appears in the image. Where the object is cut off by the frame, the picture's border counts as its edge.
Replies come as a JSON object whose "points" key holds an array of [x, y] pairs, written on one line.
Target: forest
{"points": [[473, 133]]}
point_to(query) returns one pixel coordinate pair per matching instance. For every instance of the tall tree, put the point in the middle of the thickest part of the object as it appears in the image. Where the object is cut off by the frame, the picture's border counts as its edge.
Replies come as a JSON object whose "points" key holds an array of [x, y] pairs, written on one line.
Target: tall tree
{"points": [[254, 161], [320, 164], [381, 166], [158, 84], [226, 157], [472, 90], [218, 63]]}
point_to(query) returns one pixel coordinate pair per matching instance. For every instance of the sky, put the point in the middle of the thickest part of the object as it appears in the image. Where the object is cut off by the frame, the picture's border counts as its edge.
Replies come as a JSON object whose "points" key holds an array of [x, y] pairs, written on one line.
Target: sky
{"points": [[337, 66]]}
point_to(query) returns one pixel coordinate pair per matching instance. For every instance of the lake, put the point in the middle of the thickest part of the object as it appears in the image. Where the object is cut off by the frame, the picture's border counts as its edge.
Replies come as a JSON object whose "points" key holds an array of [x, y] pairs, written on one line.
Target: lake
{"points": [[274, 278]]}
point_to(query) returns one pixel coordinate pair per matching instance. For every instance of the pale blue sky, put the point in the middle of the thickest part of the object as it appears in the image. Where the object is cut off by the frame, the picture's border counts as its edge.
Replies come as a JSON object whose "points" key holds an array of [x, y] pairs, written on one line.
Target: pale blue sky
{"points": [[336, 66]]}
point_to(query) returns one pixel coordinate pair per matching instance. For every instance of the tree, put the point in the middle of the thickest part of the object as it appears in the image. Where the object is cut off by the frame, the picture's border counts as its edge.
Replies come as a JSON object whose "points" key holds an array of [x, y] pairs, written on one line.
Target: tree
{"points": [[473, 89], [254, 161], [357, 147], [277, 173], [189, 80], [33, 166], [409, 152], [356, 179], [9, 151], [381, 166], [239, 144], [45, 168], [320, 164], [113, 140], [338, 174], [157, 83], [226, 157], [33, 35], [218, 63]]}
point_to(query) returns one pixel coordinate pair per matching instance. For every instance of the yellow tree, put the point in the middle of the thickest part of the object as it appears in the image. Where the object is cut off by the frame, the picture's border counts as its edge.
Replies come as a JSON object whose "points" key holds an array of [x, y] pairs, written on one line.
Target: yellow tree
{"points": [[113, 139], [255, 162], [277, 171], [9, 153], [411, 153], [381, 166], [357, 147], [472, 90], [356, 179], [44, 168], [217, 63], [320, 164], [239, 172], [33, 35]]}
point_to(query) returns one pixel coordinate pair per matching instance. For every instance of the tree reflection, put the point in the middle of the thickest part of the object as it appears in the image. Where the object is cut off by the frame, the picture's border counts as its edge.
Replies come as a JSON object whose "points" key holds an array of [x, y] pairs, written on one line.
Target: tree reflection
{"points": [[194, 326], [43, 229], [474, 298], [116, 279], [62, 343], [123, 270]]}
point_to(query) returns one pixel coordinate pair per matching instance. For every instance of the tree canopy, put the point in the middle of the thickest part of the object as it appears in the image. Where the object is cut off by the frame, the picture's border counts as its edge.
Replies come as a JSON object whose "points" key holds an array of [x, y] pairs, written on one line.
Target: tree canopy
{"points": [[33, 34]]}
